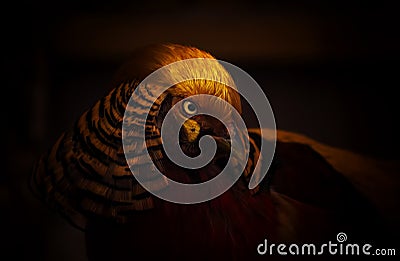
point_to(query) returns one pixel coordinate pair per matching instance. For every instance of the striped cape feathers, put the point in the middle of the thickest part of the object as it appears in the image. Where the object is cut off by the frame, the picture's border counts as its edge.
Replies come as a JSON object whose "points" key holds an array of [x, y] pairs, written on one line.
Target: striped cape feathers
{"points": [[85, 174]]}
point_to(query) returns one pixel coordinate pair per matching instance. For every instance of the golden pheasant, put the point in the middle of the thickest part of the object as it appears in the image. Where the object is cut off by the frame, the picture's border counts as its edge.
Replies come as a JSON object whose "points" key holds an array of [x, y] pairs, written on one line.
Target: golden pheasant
{"points": [[86, 178]]}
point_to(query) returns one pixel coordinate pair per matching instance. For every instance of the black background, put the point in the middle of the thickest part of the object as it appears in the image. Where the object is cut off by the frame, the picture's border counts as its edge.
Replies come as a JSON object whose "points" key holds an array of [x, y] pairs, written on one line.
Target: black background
{"points": [[330, 71]]}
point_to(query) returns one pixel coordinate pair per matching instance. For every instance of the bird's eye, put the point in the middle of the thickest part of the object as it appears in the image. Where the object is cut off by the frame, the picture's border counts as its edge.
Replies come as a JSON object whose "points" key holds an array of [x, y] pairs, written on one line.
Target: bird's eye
{"points": [[189, 107]]}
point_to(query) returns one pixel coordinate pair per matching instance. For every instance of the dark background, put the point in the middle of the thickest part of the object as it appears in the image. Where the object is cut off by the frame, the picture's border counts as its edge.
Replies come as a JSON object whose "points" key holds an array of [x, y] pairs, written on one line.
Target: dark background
{"points": [[330, 71]]}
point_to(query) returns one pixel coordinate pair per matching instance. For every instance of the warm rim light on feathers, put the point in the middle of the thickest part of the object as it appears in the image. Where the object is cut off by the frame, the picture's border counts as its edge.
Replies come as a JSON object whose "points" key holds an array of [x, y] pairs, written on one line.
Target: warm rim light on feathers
{"points": [[153, 57]]}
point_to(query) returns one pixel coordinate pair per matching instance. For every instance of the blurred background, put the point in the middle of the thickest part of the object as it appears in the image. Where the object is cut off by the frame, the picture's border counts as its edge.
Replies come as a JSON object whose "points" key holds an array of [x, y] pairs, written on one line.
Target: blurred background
{"points": [[329, 69]]}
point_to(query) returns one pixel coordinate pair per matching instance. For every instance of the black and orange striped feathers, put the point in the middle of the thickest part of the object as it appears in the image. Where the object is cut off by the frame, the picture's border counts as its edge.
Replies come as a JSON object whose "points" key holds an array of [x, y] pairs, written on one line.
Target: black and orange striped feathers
{"points": [[85, 174]]}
